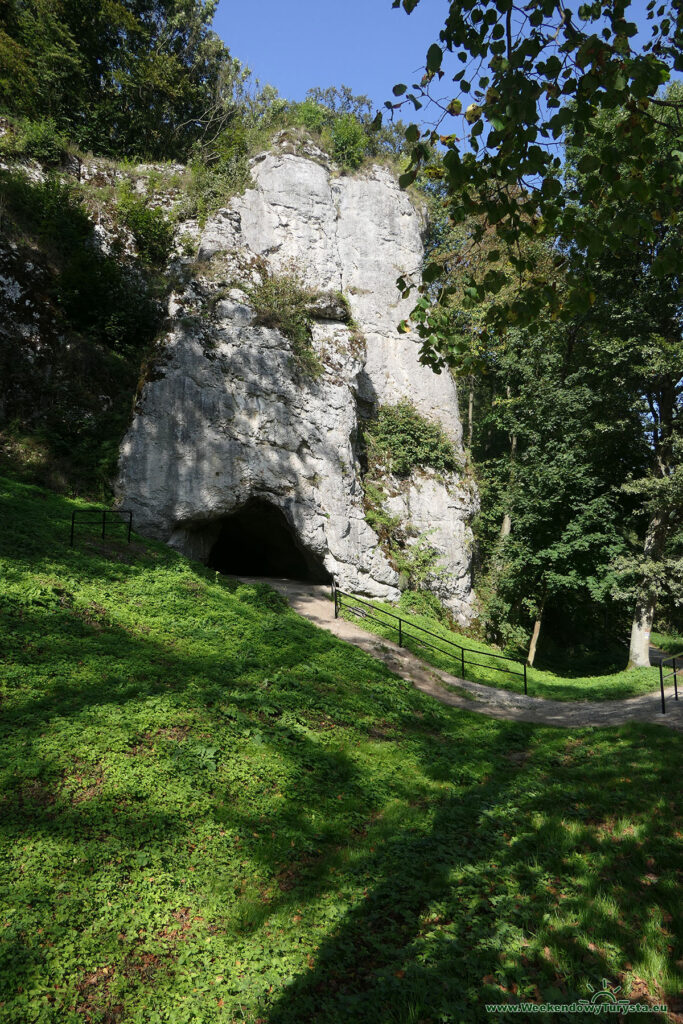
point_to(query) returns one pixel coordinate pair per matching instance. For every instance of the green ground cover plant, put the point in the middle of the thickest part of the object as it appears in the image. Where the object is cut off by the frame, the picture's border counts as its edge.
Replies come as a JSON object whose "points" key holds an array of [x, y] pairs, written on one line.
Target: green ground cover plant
{"points": [[541, 682], [397, 441], [281, 301], [213, 811], [152, 230]]}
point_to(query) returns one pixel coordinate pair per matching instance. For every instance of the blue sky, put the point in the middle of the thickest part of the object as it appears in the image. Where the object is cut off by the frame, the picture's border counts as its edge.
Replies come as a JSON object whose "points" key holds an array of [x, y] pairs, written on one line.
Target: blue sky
{"points": [[300, 44], [365, 44]]}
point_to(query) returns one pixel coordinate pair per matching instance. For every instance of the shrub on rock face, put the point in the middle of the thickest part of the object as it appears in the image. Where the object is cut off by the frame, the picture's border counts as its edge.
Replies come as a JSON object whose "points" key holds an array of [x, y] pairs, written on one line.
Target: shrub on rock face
{"points": [[396, 442], [312, 115], [400, 439], [152, 231], [350, 141], [282, 302]]}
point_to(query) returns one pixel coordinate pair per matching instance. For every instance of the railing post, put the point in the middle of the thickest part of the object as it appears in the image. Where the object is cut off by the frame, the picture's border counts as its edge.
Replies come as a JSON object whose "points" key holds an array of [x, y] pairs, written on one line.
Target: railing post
{"points": [[462, 662], [400, 632], [661, 684], [73, 523], [130, 525], [525, 686], [334, 595], [104, 524], [675, 680]]}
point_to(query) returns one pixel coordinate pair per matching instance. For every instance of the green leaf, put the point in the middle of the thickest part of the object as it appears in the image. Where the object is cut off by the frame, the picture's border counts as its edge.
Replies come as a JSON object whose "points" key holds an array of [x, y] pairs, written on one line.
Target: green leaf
{"points": [[398, 90], [551, 187], [434, 57], [431, 273], [588, 163]]}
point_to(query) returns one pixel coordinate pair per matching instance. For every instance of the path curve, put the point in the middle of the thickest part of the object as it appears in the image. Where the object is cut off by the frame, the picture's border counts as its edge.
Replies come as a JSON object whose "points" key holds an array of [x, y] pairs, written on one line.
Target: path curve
{"points": [[313, 603]]}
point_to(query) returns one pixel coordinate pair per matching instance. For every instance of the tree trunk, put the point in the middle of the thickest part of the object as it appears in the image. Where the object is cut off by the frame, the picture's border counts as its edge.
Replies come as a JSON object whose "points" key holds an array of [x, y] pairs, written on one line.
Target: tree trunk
{"points": [[506, 526], [534, 640], [643, 618], [470, 415], [536, 633], [646, 602]]}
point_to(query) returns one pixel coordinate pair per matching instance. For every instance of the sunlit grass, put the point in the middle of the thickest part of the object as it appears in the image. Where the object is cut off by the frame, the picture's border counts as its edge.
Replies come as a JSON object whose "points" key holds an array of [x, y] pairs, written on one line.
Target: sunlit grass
{"points": [[214, 812], [670, 643]]}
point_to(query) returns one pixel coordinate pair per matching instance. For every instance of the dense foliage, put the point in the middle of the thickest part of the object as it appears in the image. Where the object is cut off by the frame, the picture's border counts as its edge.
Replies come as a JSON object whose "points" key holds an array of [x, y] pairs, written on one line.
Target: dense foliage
{"points": [[573, 422], [528, 82], [399, 439], [119, 76], [67, 388], [555, 435], [213, 810]]}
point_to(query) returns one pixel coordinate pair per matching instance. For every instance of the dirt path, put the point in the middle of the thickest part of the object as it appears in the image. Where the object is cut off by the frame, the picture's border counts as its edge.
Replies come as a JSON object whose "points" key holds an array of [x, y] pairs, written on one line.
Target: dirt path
{"points": [[313, 602]]}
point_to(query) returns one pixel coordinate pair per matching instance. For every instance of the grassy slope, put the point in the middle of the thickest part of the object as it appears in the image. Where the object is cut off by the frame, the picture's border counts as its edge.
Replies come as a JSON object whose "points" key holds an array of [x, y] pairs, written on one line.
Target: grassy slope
{"points": [[671, 643], [212, 811], [628, 683]]}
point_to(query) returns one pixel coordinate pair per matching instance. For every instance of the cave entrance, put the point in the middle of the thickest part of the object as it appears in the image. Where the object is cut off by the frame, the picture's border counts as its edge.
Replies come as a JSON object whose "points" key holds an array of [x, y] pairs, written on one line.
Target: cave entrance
{"points": [[258, 540]]}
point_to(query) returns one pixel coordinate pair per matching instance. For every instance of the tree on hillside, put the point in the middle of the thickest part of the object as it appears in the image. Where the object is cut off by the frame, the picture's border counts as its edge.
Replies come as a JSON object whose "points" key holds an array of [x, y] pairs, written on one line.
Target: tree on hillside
{"points": [[552, 522], [637, 309], [621, 243], [126, 77]]}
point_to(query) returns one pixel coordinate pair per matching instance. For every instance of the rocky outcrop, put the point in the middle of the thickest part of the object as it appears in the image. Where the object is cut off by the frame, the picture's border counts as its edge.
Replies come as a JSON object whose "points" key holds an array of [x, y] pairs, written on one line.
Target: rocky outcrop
{"points": [[228, 415]]}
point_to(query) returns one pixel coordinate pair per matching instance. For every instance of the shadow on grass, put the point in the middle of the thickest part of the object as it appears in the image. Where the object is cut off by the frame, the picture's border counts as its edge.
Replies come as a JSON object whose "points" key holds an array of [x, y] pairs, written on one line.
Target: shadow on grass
{"points": [[242, 797]]}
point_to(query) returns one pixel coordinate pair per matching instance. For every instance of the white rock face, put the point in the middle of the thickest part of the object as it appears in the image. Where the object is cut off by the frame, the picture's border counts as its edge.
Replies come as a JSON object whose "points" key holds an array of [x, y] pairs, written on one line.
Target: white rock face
{"points": [[227, 417]]}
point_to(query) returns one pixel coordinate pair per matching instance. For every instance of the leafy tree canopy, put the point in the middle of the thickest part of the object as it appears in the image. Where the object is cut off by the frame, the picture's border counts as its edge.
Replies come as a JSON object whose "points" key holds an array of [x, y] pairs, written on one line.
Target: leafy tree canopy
{"points": [[516, 84], [122, 77]]}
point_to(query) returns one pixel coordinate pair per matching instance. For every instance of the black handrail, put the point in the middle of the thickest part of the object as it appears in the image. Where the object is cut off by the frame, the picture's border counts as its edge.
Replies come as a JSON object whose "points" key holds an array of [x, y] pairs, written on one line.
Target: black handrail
{"points": [[100, 520], [339, 595], [672, 661]]}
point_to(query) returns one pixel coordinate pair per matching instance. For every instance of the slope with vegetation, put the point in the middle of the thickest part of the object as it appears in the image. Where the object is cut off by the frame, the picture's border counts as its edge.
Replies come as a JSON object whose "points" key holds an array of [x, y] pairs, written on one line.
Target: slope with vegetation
{"points": [[592, 677], [214, 811]]}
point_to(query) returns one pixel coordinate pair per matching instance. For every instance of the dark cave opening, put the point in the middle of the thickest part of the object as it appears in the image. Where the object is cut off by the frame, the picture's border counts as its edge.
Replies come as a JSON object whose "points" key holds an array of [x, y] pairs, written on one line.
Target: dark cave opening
{"points": [[258, 540]]}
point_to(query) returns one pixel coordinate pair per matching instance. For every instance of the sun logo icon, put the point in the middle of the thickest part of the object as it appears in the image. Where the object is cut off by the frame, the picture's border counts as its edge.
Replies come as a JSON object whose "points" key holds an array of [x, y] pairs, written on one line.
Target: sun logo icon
{"points": [[605, 996]]}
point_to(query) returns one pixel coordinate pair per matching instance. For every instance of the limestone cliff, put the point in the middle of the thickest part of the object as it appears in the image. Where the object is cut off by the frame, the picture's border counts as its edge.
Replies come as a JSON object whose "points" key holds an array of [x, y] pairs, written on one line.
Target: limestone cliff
{"points": [[226, 418]]}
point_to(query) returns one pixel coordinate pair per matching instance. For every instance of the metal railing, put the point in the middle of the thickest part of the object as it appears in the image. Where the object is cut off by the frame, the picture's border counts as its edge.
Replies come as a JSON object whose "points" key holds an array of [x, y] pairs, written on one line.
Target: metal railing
{"points": [[406, 631], [676, 663], [100, 520]]}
